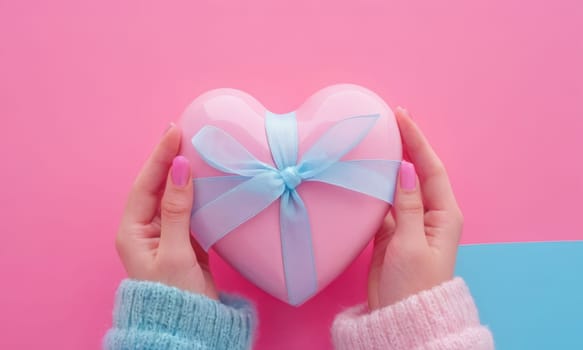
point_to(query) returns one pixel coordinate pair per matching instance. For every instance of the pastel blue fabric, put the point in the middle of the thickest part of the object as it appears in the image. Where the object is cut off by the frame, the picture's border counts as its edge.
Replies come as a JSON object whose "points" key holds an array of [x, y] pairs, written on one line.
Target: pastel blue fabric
{"points": [[223, 203], [529, 294], [153, 316]]}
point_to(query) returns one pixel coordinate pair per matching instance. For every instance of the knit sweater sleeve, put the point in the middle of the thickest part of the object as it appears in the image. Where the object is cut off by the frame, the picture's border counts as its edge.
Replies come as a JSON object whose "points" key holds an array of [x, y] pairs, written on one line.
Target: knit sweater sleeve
{"points": [[444, 317], [149, 315]]}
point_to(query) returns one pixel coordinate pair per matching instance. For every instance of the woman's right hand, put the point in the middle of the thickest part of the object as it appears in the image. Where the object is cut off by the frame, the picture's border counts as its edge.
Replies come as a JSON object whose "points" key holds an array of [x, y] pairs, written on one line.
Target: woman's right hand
{"points": [[154, 241]]}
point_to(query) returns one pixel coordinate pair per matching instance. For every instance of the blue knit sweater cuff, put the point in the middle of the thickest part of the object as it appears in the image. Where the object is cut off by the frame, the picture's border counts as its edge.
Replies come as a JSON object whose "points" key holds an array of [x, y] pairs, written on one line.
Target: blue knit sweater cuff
{"points": [[173, 316]]}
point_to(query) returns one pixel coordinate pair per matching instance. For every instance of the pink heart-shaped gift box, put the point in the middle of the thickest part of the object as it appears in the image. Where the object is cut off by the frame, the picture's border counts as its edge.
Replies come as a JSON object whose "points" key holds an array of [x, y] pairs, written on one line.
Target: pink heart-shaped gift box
{"points": [[342, 221]]}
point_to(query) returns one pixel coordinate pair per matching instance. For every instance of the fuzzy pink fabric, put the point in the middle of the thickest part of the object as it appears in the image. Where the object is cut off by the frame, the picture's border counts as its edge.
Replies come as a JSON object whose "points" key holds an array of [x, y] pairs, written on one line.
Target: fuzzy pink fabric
{"points": [[443, 318]]}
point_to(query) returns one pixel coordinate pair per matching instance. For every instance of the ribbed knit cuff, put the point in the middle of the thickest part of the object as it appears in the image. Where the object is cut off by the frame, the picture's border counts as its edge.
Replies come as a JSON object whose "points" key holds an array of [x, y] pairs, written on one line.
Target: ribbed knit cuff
{"points": [[173, 316], [444, 317]]}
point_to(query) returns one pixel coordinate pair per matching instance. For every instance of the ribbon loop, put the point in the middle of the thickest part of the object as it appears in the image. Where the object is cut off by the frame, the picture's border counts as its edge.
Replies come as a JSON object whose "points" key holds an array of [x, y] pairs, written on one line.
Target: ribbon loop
{"points": [[221, 151], [223, 203], [335, 143]]}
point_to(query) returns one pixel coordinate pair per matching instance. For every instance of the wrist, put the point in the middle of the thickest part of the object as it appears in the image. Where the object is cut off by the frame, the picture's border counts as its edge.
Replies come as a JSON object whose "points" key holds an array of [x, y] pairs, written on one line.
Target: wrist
{"points": [[403, 278], [412, 322], [170, 313]]}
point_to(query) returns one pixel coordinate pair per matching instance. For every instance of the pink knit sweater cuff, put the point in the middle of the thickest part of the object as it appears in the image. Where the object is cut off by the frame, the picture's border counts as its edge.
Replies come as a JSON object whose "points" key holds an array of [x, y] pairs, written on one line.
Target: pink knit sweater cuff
{"points": [[444, 317]]}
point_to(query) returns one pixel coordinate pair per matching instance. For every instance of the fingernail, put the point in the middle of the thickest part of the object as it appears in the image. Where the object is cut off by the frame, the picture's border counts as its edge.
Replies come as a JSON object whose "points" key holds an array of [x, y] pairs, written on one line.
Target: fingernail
{"points": [[407, 176], [403, 110], [170, 126], [180, 171]]}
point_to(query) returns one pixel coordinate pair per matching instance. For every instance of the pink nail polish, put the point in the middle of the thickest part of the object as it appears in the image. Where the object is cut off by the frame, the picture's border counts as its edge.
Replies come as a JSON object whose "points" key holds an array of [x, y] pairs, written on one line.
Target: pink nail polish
{"points": [[170, 126], [180, 171], [407, 175], [403, 111]]}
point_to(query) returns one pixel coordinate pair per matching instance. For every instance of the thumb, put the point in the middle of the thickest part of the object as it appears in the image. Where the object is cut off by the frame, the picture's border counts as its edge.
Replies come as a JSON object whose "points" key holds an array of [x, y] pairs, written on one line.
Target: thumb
{"points": [[408, 207], [176, 207]]}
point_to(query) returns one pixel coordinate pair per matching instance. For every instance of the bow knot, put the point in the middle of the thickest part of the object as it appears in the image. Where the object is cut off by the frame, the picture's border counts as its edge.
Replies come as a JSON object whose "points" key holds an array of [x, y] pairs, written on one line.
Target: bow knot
{"points": [[291, 177]]}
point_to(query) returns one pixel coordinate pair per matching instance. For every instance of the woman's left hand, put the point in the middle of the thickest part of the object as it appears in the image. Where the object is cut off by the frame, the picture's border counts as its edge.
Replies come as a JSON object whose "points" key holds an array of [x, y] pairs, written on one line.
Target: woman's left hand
{"points": [[416, 247]]}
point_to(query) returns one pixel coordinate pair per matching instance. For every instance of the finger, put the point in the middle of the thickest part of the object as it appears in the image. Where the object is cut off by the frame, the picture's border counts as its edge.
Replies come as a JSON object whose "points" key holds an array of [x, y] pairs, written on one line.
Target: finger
{"points": [[381, 241], [176, 207], [408, 207], [385, 232], [435, 187], [201, 255], [145, 195]]}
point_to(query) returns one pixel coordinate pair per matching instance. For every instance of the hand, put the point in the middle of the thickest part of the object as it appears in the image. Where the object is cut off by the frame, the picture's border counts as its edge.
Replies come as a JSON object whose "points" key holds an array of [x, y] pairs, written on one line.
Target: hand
{"points": [[416, 247], [154, 241]]}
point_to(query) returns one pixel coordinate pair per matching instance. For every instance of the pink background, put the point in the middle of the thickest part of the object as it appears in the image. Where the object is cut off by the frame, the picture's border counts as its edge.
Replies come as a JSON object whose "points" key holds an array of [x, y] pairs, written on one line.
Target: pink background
{"points": [[87, 88]]}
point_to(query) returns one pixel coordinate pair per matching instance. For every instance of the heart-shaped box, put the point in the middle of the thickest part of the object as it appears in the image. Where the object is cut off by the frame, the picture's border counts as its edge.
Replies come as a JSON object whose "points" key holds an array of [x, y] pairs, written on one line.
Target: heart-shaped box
{"points": [[340, 221]]}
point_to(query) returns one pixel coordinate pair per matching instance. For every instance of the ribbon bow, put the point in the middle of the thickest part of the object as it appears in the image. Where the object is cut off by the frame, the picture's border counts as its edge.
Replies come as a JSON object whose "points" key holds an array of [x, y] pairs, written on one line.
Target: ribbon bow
{"points": [[222, 203]]}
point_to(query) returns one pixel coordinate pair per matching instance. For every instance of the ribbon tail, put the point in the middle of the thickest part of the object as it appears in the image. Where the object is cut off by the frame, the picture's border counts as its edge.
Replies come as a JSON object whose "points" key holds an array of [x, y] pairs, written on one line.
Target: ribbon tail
{"points": [[297, 249], [372, 177], [282, 135], [217, 218]]}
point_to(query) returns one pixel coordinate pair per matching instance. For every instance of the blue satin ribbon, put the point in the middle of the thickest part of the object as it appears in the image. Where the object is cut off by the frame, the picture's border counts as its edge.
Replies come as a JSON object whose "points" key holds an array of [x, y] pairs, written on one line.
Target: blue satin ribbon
{"points": [[223, 203]]}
